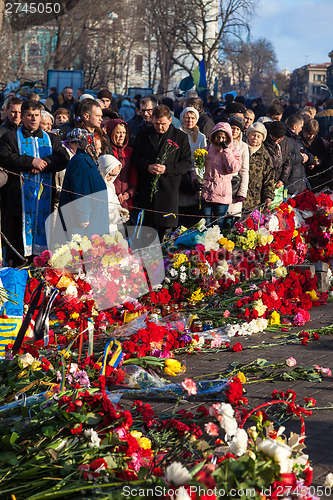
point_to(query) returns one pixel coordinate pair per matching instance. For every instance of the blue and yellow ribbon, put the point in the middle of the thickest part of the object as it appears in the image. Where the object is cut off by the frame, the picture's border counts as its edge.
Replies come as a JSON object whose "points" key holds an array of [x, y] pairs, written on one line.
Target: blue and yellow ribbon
{"points": [[116, 358]]}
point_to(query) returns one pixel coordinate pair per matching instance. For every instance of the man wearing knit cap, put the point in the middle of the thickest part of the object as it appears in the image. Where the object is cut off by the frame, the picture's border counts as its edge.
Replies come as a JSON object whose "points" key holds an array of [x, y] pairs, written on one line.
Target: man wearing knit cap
{"points": [[105, 96], [276, 144]]}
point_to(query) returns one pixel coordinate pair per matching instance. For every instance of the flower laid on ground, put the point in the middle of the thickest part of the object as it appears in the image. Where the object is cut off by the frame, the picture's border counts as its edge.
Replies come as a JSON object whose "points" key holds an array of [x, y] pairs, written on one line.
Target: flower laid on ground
{"points": [[189, 386]]}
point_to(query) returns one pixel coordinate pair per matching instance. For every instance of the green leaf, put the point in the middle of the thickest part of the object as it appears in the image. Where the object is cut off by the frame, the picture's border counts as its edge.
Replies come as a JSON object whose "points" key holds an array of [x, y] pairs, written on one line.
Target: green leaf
{"points": [[93, 419], [49, 431], [263, 362], [13, 437]]}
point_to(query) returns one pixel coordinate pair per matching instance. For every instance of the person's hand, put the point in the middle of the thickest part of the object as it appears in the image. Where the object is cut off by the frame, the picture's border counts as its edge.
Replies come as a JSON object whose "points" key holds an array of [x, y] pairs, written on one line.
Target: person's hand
{"points": [[305, 157], [239, 198], [126, 196], [310, 167], [38, 164], [279, 184], [268, 202], [124, 214], [84, 224], [316, 162], [156, 169]]}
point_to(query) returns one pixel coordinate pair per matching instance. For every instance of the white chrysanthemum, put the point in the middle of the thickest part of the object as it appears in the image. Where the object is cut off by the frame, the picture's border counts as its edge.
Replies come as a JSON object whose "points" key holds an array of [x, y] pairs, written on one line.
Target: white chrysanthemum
{"points": [[173, 272], [182, 269], [93, 438], [329, 480], [85, 244], [231, 330], [273, 224], [177, 474], [262, 324], [279, 451], [226, 410], [212, 236], [238, 445], [221, 269]]}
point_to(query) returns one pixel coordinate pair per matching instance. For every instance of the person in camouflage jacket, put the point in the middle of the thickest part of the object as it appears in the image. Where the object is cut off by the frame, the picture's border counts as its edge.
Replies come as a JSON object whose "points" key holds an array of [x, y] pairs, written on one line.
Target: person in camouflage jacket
{"points": [[261, 171]]}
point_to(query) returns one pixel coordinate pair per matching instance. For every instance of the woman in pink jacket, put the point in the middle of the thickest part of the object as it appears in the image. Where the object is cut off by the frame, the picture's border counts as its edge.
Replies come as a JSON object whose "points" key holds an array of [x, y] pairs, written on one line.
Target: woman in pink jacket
{"points": [[222, 162]]}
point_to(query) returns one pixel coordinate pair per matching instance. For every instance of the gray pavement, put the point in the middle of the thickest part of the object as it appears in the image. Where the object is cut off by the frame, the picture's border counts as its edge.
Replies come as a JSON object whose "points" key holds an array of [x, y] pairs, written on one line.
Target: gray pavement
{"points": [[319, 426]]}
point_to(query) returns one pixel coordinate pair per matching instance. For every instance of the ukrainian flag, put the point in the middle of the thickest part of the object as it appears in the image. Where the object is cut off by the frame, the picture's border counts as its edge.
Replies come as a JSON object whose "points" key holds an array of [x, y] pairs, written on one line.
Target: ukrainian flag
{"points": [[199, 77], [275, 89]]}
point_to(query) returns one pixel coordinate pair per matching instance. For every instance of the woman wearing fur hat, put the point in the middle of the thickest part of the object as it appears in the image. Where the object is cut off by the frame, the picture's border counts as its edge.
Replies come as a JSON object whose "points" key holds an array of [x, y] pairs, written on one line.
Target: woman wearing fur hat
{"points": [[109, 168], [237, 127], [261, 171], [221, 163]]}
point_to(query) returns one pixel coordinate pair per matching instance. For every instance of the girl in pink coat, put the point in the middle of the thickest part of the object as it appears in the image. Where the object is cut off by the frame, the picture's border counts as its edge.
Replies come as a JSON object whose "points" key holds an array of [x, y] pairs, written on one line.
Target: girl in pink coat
{"points": [[222, 162]]}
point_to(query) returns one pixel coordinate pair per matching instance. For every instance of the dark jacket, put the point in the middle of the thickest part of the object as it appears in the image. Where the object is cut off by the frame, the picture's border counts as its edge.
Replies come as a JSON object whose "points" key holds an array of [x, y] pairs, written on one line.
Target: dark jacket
{"points": [[135, 125], [281, 159], [261, 179], [7, 126], [11, 160], [205, 124], [83, 179], [296, 180], [318, 150], [148, 147]]}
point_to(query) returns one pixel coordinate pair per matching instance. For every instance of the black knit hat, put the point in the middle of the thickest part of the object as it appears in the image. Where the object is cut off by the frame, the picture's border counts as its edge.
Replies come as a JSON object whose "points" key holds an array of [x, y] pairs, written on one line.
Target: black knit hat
{"points": [[238, 121], [235, 107], [276, 128]]}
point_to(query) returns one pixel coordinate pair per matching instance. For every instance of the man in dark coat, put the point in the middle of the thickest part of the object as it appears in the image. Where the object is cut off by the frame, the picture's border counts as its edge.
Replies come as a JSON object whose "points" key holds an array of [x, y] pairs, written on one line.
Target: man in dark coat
{"points": [[151, 158], [300, 157], [318, 173], [137, 123], [13, 116], [277, 145], [25, 168]]}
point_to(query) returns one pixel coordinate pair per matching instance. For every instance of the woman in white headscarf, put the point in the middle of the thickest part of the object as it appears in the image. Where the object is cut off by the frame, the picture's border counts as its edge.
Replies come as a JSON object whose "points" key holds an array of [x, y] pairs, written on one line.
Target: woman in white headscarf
{"points": [[187, 193], [109, 167]]}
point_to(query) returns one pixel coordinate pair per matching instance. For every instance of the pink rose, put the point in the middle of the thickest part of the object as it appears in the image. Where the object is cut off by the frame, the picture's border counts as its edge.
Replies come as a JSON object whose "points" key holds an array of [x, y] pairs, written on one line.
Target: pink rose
{"points": [[326, 372], [238, 291], [291, 362], [226, 314]]}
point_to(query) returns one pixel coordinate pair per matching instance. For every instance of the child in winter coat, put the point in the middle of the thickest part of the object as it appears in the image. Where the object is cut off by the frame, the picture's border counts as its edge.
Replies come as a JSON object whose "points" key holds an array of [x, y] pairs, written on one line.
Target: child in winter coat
{"points": [[222, 162], [109, 167]]}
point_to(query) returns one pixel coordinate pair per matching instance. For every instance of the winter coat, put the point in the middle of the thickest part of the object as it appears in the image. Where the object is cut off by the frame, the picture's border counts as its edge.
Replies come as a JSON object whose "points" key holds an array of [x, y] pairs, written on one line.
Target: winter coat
{"points": [[148, 147], [281, 159], [127, 179], [187, 193], [126, 111], [317, 149], [11, 160], [205, 124], [83, 178], [236, 207], [219, 169], [7, 126], [261, 179], [296, 180], [325, 120]]}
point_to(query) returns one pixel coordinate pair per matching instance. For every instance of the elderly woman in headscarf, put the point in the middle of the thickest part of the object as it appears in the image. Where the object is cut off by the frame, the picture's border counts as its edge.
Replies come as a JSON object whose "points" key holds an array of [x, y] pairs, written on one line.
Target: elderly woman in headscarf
{"points": [[109, 168], [187, 192], [83, 201], [127, 179]]}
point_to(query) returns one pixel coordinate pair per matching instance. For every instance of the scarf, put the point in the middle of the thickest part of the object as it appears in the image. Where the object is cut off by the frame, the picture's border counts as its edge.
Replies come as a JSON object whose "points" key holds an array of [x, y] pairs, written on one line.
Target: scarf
{"points": [[36, 193]]}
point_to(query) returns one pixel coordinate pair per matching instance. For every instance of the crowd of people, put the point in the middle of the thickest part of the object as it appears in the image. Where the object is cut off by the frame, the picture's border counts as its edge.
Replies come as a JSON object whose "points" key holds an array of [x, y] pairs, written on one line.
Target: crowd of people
{"points": [[94, 163]]}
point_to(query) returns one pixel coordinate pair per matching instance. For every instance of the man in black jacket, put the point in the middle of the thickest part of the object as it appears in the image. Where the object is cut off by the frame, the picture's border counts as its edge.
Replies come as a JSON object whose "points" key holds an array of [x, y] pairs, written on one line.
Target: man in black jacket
{"points": [[165, 151], [300, 157], [13, 115], [277, 146], [28, 168]]}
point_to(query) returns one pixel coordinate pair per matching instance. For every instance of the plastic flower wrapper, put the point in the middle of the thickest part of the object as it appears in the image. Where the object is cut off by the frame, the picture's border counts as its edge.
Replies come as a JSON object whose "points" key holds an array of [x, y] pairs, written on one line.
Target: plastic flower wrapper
{"points": [[199, 165]]}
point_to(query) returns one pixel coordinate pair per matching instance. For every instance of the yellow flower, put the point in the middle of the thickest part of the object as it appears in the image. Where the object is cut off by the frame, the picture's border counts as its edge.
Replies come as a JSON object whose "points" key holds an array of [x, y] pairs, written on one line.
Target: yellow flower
{"points": [[295, 233], [64, 353], [241, 377], [197, 296], [260, 307], [227, 244], [180, 259], [274, 318], [75, 316], [173, 367], [313, 295], [273, 257], [22, 374]]}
